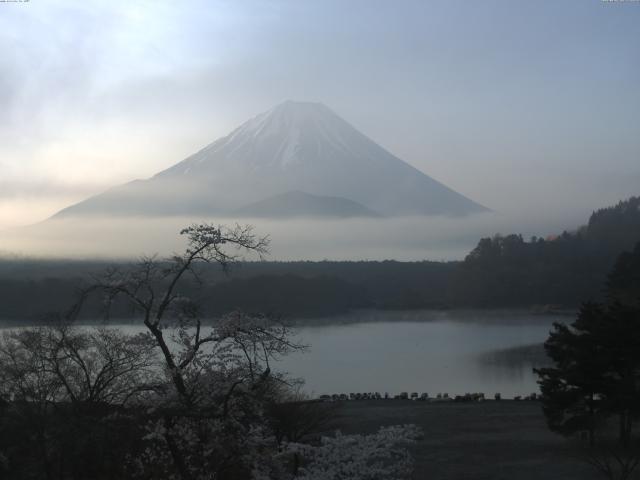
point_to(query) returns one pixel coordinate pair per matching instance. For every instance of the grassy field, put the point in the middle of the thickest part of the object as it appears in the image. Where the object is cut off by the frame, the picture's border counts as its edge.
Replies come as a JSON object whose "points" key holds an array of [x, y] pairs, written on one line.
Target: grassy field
{"points": [[475, 441]]}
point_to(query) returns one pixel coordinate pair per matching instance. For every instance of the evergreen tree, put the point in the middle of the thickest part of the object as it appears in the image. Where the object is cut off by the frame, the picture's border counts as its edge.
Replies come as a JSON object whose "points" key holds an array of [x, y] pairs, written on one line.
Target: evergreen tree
{"points": [[596, 372], [571, 390]]}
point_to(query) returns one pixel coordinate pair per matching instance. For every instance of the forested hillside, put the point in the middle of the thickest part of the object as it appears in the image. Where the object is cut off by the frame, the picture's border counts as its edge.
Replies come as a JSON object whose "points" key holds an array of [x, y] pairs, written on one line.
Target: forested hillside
{"points": [[503, 271], [561, 270]]}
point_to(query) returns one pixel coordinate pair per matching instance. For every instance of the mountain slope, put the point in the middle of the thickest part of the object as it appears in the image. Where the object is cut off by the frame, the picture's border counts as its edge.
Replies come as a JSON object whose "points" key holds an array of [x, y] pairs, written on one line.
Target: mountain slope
{"points": [[295, 146], [300, 204]]}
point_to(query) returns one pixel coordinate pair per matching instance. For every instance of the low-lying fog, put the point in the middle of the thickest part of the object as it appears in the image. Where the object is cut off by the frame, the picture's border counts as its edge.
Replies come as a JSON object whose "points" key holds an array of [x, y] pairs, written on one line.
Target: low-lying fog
{"points": [[406, 238]]}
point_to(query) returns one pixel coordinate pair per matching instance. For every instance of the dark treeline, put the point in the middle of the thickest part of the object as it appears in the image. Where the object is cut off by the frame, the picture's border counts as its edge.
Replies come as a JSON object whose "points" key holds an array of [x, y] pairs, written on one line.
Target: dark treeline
{"points": [[301, 289], [503, 271], [563, 270]]}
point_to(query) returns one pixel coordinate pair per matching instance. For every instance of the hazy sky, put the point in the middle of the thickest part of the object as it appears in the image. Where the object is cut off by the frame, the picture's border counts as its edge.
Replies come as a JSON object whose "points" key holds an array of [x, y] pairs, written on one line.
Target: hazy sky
{"points": [[531, 105]]}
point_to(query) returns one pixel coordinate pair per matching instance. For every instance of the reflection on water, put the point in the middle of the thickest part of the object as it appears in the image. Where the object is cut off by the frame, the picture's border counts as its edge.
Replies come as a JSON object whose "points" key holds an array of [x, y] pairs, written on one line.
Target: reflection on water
{"points": [[453, 352], [514, 364], [422, 351]]}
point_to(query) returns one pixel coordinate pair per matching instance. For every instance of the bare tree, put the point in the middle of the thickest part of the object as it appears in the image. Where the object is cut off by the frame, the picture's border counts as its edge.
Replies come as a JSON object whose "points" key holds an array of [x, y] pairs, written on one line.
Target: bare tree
{"points": [[151, 287], [210, 415], [62, 383], [67, 364]]}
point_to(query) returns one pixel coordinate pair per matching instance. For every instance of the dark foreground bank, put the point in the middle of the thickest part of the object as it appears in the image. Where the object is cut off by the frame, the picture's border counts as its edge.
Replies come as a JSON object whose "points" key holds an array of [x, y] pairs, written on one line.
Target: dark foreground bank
{"points": [[489, 440]]}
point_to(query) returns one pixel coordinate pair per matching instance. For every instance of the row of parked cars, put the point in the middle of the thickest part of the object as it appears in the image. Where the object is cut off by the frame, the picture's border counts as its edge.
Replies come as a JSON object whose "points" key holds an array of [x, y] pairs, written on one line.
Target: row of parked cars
{"points": [[386, 396], [467, 397]]}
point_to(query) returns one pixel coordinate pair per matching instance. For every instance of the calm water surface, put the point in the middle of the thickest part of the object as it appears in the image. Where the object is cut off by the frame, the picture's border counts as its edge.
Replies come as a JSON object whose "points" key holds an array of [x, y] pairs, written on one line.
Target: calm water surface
{"points": [[453, 352], [421, 351]]}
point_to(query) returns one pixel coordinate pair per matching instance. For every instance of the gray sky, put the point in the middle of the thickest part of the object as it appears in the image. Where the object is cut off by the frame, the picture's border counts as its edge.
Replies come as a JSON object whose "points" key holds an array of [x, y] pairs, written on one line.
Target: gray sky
{"points": [[524, 106]]}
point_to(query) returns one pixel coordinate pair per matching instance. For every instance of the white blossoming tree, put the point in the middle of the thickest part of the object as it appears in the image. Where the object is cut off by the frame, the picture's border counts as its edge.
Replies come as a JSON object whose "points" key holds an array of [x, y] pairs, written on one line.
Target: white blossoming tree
{"points": [[383, 455]]}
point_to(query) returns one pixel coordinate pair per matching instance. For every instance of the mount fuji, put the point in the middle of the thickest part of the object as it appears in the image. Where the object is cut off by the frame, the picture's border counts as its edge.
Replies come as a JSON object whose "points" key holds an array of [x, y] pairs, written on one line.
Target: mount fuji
{"points": [[298, 158]]}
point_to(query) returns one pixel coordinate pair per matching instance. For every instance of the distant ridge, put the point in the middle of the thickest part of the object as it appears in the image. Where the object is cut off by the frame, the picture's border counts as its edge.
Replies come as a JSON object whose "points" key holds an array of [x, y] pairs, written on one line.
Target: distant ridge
{"points": [[295, 146], [300, 204]]}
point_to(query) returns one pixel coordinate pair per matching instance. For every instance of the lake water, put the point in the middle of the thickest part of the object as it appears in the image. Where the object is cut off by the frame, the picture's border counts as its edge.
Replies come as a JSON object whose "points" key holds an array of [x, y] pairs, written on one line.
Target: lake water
{"points": [[420, 351], [453, 352]]}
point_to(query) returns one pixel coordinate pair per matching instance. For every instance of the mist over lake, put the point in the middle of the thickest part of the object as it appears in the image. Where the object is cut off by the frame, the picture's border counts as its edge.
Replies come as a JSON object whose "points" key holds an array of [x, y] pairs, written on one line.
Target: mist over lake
{"points": [[280, 240], [406, 238], [426, 351], [452, 352]]}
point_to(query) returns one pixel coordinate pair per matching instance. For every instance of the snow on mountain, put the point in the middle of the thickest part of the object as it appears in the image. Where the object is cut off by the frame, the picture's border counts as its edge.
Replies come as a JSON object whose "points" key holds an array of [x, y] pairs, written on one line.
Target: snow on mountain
{"points": [[295, 146]]}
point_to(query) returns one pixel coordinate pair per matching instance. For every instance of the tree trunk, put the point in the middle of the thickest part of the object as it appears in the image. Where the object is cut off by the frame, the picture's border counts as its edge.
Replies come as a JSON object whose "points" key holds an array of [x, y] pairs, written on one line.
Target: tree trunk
{"points": [[176, 455], [625, 428], [592, 424]]}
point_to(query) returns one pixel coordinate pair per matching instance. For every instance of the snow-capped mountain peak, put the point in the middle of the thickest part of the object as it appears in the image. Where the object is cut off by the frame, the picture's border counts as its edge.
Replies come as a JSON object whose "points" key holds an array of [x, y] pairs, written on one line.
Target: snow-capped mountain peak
{"points": [[295, 146]]}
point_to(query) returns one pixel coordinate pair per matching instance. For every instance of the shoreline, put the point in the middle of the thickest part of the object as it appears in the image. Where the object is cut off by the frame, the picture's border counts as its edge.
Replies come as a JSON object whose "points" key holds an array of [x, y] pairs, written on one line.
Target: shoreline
{"points": [[356, 316]]}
